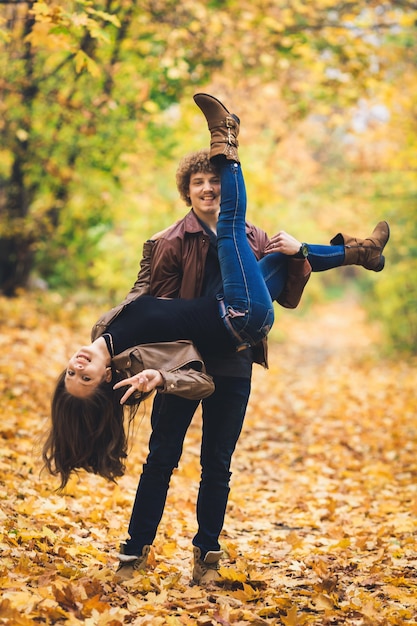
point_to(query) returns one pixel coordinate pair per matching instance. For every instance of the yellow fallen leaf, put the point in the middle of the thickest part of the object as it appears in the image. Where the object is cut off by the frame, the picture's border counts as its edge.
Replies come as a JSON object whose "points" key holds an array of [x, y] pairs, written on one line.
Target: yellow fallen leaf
{"points": [[169, 548], [290, 618], [229, 573]]}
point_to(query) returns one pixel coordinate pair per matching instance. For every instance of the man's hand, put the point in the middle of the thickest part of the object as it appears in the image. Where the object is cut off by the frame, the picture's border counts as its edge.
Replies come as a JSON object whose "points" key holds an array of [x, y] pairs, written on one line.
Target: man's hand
{"points": [[145, 381], [283, 242]]}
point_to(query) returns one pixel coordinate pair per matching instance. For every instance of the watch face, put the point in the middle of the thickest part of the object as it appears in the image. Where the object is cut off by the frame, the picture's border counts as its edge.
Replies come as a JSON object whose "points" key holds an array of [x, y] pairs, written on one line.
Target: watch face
{"points": [[304, 250]]}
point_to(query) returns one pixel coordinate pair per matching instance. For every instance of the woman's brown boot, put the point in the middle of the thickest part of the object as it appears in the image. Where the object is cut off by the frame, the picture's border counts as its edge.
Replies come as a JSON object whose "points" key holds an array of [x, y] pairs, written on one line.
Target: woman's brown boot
{"points": [[129, 564], [366, 252], [223, 126], [205, 571]]}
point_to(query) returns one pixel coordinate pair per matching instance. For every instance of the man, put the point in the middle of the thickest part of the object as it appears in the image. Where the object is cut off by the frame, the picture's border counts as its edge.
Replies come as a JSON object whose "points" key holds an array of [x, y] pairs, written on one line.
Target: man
{"points": [[184, 264]]}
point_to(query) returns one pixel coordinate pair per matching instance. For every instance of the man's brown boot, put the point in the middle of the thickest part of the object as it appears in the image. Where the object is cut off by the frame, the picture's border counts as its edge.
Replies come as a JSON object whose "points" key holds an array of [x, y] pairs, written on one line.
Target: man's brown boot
{"points": [[129, 564], [205, 570], [366, 252], [223, 126]]}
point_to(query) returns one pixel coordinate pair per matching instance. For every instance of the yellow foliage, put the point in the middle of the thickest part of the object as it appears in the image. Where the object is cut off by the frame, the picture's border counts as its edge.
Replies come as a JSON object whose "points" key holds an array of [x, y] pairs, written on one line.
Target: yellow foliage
{"points": [[322, 515]]}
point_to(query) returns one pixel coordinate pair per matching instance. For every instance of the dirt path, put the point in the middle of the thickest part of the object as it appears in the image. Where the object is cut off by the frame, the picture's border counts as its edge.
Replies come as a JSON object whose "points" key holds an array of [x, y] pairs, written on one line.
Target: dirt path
{"points": [[331, 329]]}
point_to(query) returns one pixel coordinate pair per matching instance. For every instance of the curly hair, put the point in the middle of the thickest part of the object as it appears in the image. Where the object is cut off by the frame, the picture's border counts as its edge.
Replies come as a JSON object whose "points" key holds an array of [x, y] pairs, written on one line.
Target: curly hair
{"points": [[87, 433], [191, 164]]}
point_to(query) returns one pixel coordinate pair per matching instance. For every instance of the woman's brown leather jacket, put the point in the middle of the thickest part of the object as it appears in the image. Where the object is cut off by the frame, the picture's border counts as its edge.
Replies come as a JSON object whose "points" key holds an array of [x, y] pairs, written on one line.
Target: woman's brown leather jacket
{"points": [[179, 362]]}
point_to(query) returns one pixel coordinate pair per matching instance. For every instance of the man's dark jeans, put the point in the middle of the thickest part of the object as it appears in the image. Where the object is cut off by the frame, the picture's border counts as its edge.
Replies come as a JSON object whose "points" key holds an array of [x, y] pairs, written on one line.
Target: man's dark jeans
{"points": [[223, 414]]}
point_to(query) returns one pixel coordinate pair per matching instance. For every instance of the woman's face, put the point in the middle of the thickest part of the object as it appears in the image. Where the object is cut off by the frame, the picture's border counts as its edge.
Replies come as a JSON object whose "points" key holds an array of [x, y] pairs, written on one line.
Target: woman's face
{"points": [[85, 371]]}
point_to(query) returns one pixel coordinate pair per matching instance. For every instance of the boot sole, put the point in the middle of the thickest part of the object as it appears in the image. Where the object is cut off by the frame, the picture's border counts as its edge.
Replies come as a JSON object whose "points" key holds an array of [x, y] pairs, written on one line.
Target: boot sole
{"points": [[382, 261], [381, 264]]}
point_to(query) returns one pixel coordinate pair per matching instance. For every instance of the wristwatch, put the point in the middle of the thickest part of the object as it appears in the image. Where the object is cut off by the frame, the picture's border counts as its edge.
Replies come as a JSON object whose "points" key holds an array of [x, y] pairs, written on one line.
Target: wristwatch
{"points": [[303, 251]]}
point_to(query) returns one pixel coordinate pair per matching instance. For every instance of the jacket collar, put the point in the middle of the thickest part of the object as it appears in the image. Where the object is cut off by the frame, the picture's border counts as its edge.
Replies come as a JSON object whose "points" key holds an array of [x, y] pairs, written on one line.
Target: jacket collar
{"points": [[192, 225]]}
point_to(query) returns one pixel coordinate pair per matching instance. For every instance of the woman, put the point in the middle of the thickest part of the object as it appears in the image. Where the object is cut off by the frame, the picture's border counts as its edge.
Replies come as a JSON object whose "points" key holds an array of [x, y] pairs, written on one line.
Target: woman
{"points": [[240, 317]]}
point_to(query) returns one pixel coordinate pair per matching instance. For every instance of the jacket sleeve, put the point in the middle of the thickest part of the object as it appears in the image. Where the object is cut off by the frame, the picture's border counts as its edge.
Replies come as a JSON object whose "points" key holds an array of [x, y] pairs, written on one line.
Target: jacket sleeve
{"points": [[142, 283], [187, 383], [179, 363], [166, 269], [299, 271]]}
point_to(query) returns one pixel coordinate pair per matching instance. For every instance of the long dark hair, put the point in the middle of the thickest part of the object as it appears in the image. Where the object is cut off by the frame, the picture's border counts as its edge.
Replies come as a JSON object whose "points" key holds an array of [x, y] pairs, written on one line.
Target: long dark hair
{"points": [[87, 433]]}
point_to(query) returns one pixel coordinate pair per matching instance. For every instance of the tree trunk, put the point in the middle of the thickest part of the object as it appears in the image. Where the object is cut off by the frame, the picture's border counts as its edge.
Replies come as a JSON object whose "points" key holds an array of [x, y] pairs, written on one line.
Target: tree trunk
{"points": [[16, 243], [16, 260]]}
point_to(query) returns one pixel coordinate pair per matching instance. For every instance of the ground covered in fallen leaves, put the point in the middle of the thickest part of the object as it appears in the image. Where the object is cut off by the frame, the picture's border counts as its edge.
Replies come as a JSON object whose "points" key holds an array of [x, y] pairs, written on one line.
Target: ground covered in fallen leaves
{"points": [[321, 526]]}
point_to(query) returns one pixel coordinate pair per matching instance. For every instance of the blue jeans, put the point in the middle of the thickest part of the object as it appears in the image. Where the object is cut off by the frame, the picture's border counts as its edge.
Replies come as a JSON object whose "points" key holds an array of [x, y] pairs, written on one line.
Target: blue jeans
{"points": [[223, 414], [248, 305], [249, 286]]}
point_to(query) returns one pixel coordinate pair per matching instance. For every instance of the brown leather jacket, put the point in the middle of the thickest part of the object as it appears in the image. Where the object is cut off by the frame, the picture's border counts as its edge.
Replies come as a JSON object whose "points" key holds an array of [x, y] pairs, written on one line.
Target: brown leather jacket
{"points": [[179, 362], [179, 257], [178, 261]]}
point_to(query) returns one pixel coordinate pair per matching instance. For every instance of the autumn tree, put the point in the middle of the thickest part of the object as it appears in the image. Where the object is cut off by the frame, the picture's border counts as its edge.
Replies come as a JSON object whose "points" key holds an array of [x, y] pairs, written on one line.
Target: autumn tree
{"points": [[82, 80], [76, 80]]}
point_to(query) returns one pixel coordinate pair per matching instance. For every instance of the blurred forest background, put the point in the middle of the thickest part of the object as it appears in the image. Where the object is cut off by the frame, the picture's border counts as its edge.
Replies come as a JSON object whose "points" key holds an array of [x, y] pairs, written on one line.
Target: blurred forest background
{"points": [[96, 110]]}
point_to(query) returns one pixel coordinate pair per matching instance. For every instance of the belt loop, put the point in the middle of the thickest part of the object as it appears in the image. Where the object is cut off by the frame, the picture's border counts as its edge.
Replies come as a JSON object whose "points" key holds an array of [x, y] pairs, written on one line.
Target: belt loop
{"points": [[240, 343]]}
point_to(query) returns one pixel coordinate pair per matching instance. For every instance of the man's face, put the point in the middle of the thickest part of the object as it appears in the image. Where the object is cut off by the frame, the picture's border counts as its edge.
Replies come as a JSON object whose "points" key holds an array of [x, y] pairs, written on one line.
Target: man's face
{"points": [[204, 193]]}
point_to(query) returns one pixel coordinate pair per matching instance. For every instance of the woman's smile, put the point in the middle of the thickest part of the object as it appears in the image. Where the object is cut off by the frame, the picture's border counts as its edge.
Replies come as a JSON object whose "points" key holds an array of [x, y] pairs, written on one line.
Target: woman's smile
{"points": [[83, 357], [87, 368]]}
